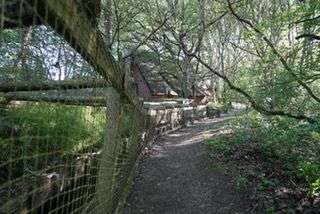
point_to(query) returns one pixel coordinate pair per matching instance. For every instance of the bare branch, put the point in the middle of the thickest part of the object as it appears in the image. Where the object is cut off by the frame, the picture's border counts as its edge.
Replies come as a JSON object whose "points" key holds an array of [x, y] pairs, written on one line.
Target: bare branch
{"points": [[154, 31]]}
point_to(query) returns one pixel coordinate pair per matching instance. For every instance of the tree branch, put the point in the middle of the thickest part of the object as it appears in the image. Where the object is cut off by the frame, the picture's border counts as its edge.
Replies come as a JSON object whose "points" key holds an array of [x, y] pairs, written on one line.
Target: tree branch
{"points": [[154, 31], [251, 100], [308, 20], [275, 52], [308, 35]]}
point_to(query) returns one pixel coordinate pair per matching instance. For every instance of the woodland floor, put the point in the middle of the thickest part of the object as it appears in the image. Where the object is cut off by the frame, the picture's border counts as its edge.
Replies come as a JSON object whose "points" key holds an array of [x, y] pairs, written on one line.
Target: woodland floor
{"points": [[176, 177]]}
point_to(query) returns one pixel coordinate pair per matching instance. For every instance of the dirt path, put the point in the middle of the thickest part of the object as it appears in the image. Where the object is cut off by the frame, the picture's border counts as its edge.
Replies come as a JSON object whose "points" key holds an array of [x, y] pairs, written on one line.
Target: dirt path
{"points": [[176, 178]]}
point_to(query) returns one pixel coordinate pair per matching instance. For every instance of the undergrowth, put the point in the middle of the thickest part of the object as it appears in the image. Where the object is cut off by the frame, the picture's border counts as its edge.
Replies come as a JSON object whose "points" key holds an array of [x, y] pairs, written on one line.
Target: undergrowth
{"points": [[278, 157], [34, 136]]}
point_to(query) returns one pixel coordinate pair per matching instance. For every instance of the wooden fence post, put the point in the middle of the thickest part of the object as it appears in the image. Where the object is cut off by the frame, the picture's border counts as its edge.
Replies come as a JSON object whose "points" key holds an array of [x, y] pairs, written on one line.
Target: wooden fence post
{"points": [[110, 151]]}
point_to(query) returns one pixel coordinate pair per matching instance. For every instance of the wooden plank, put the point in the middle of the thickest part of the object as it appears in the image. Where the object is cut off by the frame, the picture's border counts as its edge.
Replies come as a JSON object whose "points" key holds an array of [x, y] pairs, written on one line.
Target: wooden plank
{"points": [[71, 100], [111, 149], [71, 97], [52, 85]]}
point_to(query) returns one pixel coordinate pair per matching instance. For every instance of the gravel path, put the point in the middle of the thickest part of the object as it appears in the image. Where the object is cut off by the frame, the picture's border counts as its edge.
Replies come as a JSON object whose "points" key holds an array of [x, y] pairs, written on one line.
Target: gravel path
{"points": [[176, 178]]}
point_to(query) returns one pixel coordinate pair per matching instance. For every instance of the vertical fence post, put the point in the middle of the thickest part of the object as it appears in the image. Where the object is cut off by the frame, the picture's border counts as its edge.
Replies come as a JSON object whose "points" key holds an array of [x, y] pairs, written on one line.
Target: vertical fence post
{"points": [[110, 151]]}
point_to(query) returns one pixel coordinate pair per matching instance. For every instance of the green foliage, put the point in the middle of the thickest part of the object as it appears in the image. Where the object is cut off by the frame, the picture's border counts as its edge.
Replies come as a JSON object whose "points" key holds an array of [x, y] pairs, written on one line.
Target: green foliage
{"points": [[281, 144], [39, 135], [65, 125], [15, 74], [266, 184], [219, 106], [9, 35], [241, 182], [215, 105], [311, 172]]}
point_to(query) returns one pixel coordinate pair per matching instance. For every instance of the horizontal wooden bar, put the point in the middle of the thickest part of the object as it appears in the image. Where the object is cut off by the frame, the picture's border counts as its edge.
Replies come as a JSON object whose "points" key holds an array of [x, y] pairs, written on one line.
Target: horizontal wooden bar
{"points": [[52, 85], [71, 97]]}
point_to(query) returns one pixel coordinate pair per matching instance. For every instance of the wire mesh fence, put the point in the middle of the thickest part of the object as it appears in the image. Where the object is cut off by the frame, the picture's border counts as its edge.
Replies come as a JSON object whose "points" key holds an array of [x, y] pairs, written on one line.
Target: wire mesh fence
{"points": [[68, 141]]}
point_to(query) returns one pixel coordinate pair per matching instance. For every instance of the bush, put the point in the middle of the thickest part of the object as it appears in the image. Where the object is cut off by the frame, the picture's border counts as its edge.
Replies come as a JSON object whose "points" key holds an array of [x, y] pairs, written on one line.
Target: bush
{"points": [[215, 109], [311, 172], [223, 107], [282, 144]]}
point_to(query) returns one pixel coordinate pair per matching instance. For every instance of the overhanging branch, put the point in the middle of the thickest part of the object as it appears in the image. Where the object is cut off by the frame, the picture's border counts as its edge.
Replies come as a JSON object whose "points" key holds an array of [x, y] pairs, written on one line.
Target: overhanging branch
{"points": [[309, 36], [251, 100], [275, 52]]}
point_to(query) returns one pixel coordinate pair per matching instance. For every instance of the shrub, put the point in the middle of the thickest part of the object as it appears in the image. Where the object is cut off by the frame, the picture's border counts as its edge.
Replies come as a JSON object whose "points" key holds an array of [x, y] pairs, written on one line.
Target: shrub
{"points": [[278, 142]]}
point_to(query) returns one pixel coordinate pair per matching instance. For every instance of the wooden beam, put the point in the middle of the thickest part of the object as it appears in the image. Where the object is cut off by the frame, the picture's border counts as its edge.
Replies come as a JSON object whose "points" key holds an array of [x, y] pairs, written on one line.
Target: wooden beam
{"points": [[52, 85], [66, 99], [107, 196]]}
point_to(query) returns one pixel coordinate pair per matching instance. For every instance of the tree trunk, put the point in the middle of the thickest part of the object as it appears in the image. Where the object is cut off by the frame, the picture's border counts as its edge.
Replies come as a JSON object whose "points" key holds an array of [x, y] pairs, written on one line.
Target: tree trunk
{"points": [[186, 77]]}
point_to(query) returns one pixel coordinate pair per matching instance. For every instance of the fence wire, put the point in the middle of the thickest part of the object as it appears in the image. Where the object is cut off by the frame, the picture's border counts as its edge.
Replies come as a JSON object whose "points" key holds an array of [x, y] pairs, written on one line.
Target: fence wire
{"points": [[68, 143]]}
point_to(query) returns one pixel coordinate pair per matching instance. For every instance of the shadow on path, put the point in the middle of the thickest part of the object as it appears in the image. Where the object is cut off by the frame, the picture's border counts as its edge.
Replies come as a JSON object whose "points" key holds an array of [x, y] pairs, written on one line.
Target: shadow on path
{"points": [[176, 178]]}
